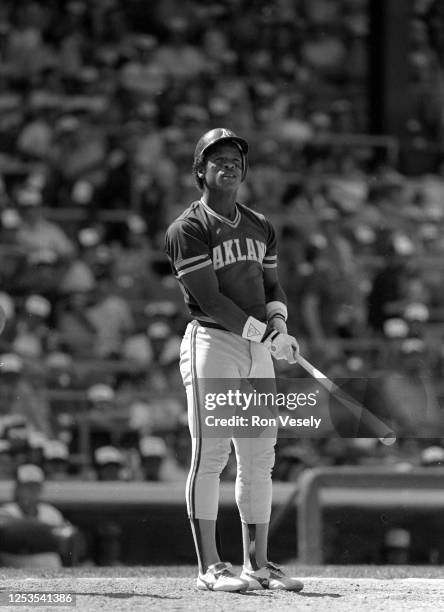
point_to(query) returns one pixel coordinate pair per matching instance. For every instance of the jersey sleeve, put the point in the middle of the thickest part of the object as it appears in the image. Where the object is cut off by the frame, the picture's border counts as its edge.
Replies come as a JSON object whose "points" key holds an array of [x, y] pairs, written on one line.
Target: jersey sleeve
{"points": [[187, 248], [270, 258]]}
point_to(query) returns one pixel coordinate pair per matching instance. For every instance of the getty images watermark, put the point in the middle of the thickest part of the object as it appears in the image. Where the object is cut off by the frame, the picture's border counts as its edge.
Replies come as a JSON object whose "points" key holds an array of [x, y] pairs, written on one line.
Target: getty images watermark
{"points": [[302, 408], [252, 404]]}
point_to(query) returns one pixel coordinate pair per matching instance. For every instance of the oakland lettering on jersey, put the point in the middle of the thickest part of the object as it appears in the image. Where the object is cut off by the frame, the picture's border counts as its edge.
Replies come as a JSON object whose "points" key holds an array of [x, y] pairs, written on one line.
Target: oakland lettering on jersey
{"points": [[232, 251]]}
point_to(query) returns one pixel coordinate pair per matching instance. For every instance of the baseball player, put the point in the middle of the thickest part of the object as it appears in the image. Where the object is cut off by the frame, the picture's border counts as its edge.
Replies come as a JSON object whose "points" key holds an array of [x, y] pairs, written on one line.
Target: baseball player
{"points": [[223, 255]]}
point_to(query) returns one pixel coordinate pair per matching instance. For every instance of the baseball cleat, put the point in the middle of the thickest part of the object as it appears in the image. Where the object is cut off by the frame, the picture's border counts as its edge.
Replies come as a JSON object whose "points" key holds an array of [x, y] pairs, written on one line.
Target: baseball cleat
{"points": [[272, 577], [220, 577]]}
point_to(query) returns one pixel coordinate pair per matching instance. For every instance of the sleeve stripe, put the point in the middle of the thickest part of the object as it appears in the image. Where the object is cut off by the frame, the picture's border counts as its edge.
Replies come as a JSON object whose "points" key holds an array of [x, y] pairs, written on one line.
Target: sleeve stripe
{"points": [[270, 265], [193, 268], [190, 260], [271, 257]]}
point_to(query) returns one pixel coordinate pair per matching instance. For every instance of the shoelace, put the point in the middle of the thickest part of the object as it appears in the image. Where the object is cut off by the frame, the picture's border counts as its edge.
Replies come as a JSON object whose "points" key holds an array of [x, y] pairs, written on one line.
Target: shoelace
{"points": [[226, 572], [223, 571], [275, 568]]}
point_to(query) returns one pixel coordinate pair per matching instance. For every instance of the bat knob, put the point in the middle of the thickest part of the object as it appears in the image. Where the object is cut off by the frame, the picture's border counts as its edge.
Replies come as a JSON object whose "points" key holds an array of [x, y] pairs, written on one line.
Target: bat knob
{"points": [[389, 439]]}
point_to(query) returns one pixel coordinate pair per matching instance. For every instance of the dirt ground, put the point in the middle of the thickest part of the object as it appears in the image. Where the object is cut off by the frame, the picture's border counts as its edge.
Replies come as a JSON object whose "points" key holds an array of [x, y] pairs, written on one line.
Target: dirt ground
{"points": [[327, 589]]}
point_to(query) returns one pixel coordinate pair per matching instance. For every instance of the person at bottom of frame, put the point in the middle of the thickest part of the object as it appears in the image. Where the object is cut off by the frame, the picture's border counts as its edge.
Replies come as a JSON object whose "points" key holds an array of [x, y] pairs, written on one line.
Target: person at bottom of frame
{"points": [[34, 533], [223, 255]]}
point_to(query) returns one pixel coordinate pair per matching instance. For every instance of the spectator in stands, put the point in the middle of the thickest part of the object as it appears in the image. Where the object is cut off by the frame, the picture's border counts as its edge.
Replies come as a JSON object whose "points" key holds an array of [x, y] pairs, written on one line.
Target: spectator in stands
{"points": [[35, 139], [161, 415], [40, 272], [6, 460], [34, 533], [137, 349], [18, 396], [331, 303], [14, 429], [267, 181], [77, 333], [36, 442], [32, 332], [396, 548], [8, 306], [10, 223], [292, 458], [25, 52], [56, 460], [132, 261], [73, 39], [11, 252], [101, 416], [142, 76], [181, 60], [111, 317], [180, 443], [79, 154], [387, 295], [117, 188], [109, 463], [405, 393], [60, 372], [164, 341], [79, 274], [323, 51], [153, 452], [35, 231]]}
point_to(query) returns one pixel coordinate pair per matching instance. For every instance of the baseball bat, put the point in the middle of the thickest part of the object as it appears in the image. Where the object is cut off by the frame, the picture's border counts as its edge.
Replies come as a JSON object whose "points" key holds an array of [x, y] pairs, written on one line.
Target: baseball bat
{"points": [[382, 431]]}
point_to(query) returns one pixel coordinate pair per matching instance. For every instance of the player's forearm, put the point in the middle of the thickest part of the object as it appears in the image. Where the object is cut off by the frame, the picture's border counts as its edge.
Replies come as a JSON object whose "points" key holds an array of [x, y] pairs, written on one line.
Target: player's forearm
{"points": [[225, 312], [276, 306], [275, 293]]}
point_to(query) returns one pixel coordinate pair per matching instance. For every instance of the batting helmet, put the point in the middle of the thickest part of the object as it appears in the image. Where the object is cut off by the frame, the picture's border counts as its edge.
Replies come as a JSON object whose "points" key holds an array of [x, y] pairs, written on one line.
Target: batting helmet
{"points": [[213, 137]]}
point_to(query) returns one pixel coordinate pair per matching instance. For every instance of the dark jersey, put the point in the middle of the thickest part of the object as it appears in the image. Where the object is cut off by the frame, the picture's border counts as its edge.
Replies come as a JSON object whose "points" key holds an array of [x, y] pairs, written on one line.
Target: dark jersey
{"points": [[238, 250]]}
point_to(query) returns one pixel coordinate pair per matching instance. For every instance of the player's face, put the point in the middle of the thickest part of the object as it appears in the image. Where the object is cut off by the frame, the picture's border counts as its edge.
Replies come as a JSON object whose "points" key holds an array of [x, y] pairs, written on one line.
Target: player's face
{"points": [[223, 169], [27, 496]]}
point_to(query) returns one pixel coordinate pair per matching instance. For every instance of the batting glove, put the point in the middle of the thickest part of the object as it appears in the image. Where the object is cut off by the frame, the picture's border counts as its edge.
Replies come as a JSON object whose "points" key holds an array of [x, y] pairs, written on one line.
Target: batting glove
{"points": [[281, 345]]}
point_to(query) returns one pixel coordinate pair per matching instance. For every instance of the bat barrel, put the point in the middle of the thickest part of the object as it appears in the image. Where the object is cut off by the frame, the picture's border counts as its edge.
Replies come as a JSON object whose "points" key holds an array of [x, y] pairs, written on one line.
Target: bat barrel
{"points": [[367, 418]]}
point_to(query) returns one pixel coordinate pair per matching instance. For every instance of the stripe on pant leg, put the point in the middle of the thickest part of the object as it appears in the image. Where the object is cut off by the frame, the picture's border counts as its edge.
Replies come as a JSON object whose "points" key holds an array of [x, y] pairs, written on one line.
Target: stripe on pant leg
{"points": [[195, 425]]}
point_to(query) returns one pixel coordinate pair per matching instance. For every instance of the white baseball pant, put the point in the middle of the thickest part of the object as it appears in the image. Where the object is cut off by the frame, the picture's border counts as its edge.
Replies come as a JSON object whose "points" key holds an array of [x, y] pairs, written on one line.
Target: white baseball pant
{"points": [[208, 353]]}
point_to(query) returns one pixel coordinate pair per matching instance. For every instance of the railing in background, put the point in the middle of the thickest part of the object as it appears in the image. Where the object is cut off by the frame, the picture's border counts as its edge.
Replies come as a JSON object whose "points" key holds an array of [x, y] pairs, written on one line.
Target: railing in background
{"points": [[357, 487]]}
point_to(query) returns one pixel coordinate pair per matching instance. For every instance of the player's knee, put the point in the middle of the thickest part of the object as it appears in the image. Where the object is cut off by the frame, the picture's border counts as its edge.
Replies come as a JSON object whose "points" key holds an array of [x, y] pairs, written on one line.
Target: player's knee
{"points": [[214, 462], [264, 461], [258, 471]]}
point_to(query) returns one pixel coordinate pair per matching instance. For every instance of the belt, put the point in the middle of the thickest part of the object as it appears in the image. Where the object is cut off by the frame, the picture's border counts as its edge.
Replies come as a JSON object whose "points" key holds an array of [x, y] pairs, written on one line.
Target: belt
{"points": [[211, 325]]}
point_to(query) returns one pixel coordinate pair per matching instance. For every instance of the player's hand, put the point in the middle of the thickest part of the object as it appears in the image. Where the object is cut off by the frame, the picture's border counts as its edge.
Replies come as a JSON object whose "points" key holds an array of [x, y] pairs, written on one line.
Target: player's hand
{"points": [[281, 346], [278, 324]]}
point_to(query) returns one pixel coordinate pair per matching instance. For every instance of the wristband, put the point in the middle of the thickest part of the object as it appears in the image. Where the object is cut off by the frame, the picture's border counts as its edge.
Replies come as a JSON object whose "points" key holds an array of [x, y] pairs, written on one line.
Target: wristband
{"points": [[254, 330], [270, 336], [276, 308], [279, 315]]}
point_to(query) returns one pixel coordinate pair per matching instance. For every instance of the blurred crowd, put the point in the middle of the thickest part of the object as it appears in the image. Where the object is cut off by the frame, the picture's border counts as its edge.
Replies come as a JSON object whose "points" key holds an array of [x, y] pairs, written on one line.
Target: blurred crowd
{"points": [[101, 104]]}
